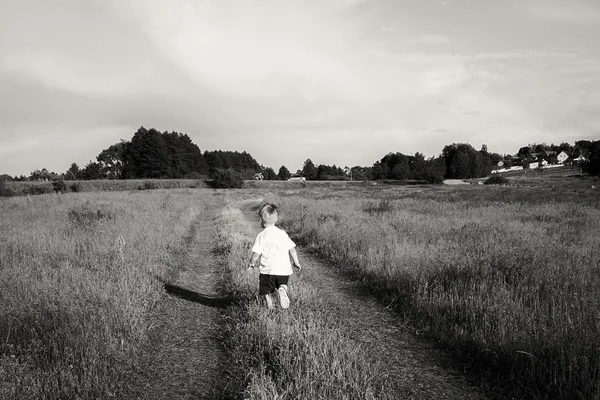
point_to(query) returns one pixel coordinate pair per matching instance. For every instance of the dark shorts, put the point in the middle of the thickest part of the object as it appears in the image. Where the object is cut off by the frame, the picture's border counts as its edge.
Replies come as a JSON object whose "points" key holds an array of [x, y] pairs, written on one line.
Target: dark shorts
{"points": [[270, 283]]}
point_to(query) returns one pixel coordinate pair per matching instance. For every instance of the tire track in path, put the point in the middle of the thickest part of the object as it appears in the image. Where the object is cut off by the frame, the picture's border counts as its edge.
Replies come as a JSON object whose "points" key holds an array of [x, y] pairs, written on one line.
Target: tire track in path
{"points": [[184, 357], [415, 369]]}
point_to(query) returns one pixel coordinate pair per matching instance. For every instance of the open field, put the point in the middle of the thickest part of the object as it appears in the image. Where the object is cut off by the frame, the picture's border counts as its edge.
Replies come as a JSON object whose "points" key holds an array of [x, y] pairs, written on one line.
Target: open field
{"points": [[101, 185], [78, 278], [508, 279], [505, 279]]}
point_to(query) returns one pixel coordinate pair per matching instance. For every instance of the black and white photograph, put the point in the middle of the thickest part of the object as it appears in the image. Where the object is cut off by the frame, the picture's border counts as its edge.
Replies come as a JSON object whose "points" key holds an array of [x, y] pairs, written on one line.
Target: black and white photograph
{"points": [[300, 199]]}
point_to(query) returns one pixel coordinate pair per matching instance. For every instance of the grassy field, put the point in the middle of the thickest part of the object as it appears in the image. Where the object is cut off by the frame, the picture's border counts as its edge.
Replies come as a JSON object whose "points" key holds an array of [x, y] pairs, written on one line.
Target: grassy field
{"points": [[298, 354], [77, 282], [100, 185], [508, 278]]}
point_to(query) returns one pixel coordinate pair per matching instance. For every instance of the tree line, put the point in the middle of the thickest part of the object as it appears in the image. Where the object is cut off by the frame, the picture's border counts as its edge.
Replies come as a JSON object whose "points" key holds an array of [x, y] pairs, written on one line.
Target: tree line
{"points": [[172, 155]]}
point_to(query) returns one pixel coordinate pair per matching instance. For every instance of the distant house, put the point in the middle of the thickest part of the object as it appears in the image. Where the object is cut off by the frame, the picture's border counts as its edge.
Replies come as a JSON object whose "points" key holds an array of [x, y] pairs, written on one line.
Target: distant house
{"points": [[562, 157], [579, 159], [297, 179], [536, 164], [501, 164]]}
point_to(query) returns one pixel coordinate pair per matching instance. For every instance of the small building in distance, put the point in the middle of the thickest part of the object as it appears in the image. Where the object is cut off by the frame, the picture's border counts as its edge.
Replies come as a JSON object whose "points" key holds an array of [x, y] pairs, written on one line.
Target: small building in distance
{"points": [[562, 157]]}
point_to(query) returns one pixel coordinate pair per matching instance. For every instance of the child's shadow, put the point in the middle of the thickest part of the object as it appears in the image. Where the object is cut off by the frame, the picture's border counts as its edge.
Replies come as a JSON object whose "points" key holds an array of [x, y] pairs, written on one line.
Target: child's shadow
{"points": [[210, 301]]}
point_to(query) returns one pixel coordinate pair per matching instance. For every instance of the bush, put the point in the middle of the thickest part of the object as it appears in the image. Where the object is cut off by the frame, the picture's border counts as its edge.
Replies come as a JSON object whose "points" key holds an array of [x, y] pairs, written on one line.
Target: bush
{"points": [[148, 185], [378, 208], [37, 188], [227, 178], [85, 215], [6, 191], [75, 187], [59, 186], [496, 180]]}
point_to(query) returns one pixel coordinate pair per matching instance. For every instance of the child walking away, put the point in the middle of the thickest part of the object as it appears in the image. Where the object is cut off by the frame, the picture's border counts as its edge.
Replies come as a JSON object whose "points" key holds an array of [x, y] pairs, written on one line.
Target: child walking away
{"points": [[274, 247]]}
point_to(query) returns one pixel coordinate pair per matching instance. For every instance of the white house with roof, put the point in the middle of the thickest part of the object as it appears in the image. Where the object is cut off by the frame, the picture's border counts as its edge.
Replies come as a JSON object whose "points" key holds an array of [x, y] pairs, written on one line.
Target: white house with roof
{"points": [[562, 157]]}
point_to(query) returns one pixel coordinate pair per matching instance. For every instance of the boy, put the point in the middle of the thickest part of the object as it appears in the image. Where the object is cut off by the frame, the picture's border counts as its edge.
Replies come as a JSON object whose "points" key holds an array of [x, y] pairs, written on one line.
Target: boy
{"points": [[273, 245]]}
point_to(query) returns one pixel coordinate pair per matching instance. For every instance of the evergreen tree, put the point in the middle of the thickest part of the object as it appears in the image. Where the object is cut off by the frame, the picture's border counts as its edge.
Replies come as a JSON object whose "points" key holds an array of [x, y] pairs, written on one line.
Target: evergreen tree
{"points": [[309, 171], [284, 174], [269, 174]]}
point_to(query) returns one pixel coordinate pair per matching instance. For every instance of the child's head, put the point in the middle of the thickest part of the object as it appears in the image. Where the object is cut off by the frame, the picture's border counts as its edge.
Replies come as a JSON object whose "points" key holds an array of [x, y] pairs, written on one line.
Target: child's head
{"points": [[268, 214]]}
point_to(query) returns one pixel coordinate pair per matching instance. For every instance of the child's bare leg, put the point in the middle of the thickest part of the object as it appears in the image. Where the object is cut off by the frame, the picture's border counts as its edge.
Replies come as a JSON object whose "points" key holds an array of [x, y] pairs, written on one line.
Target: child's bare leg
{"points": [[269, 301], [284, 300]]}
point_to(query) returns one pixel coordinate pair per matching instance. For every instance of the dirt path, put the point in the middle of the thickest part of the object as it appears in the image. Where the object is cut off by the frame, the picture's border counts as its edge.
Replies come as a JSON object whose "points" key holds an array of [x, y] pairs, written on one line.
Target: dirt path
{"points": [[184, 356], [417, 370]]}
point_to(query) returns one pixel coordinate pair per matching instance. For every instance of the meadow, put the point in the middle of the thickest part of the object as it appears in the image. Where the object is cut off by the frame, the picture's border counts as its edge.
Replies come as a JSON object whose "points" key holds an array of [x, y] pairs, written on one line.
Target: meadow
{"points": [[10, 189], [299, 354], [78, 281], [507, 279]]}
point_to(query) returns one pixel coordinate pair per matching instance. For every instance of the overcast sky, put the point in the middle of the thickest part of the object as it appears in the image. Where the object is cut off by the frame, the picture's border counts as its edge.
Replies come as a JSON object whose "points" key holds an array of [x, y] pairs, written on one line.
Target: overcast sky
{"points": [[337, 81]]}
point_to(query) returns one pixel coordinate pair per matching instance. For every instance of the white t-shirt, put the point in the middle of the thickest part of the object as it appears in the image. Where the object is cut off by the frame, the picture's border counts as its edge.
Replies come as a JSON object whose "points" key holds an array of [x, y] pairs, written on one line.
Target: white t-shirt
{"points": [[273, 244]]}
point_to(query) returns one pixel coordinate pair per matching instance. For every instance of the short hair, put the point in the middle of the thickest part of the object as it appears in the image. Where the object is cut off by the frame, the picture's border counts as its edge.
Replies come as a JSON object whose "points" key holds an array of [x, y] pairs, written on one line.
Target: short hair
{"points": [[268, 213]]}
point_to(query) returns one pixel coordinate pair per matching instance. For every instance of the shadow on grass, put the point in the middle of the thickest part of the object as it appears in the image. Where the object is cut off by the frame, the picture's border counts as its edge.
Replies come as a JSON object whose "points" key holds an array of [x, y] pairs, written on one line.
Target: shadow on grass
{"points": [[210, 301]]}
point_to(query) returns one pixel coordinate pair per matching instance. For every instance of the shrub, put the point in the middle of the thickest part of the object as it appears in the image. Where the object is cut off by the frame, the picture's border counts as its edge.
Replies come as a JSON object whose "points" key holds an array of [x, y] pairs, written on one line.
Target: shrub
{"points": [[376, 208], [85, 215], [227, 178], [148, 185], [35, 189], [75, 187], [496, 180], [6, 191], [59, 186]]}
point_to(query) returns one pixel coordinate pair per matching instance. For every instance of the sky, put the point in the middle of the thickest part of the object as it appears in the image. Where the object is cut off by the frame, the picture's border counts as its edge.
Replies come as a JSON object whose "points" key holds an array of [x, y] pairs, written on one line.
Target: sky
{"points": [[338, 81]]}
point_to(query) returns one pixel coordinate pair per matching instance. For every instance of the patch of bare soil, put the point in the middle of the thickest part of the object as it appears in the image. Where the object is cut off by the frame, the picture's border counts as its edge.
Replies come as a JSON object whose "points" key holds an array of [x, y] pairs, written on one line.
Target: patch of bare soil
{"points": [[414, 367], [184, 357]]}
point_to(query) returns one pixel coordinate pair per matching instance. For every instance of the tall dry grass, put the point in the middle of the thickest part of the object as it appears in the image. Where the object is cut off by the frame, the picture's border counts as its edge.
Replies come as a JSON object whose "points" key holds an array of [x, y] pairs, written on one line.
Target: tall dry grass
{"points": [[516, 287], [298, 354], [77, 283]]}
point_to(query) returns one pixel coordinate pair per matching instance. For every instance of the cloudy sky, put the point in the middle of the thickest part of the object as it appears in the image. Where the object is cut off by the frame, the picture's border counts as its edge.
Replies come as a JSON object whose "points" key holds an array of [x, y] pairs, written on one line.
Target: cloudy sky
{"points": [[337, 81]]}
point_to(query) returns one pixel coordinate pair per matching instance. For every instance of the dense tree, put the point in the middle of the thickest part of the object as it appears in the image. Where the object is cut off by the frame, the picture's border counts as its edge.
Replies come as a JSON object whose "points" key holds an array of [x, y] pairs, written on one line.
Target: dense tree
{"points": [[309, 171], [463, 161], [147, 155], [73, 173], [112, 160], [330, 172], [5, 178], [92, 170], [227, 178], [524, 153], [592, 165], [269, 174], [186, 158], [242, 162], [401, 170], [582, 148], [43, 175], [284, 174]]}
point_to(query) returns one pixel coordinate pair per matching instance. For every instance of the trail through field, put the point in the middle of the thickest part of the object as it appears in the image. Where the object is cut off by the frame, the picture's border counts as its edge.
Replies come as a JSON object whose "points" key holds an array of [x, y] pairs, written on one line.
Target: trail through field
{"points": [[415, 369], [184, 356]]}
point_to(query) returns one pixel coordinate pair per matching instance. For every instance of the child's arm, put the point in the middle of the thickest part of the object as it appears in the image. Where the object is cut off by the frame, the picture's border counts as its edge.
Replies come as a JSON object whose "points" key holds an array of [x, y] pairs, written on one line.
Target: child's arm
{"points": [[253, 259], [295, 258]]}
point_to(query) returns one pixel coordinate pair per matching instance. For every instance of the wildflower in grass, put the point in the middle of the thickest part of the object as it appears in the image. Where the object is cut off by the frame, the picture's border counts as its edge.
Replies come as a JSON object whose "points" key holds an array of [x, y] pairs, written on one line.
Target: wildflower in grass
{"points": [[273, 245]]}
